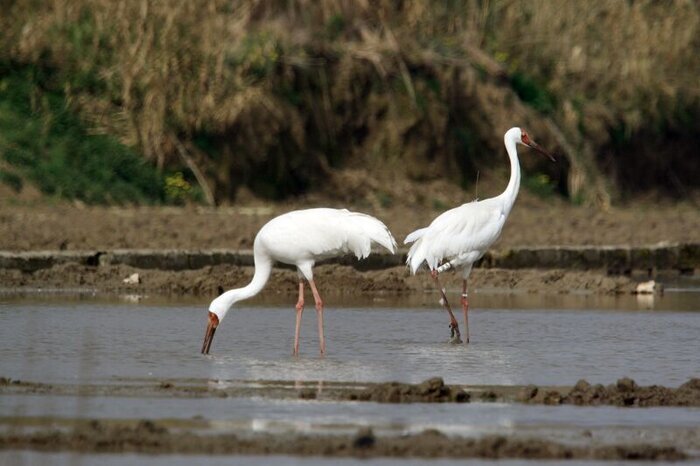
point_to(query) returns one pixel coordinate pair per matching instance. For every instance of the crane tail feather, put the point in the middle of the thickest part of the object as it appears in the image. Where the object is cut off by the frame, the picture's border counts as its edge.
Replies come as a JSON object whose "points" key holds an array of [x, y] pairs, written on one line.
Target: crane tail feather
{"points": [[370, 230]]}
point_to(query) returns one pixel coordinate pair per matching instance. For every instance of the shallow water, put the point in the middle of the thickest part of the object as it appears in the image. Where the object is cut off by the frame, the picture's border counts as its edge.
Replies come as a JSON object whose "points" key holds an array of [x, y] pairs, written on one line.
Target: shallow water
{"points": [[256, 414], [516, 339], [103, 342]]}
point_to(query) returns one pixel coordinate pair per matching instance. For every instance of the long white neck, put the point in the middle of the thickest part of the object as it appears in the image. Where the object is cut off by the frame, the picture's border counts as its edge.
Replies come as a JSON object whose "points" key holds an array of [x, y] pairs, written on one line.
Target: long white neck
{"points": [[263, 266], [511, 191]]}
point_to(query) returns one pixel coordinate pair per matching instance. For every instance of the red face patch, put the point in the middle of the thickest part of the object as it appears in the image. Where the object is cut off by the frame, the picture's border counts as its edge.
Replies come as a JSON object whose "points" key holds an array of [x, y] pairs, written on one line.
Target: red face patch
{"points": [[524, 137]]}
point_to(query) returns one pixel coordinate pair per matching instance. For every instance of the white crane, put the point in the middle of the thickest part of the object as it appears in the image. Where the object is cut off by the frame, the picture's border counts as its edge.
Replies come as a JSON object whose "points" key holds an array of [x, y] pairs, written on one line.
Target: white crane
{"points": [[301, 238], [459, 237]]}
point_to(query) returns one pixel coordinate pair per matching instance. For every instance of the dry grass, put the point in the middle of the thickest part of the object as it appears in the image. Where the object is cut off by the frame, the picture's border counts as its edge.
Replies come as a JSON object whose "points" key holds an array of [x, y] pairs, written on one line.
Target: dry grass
{"points": [[275, 94]]}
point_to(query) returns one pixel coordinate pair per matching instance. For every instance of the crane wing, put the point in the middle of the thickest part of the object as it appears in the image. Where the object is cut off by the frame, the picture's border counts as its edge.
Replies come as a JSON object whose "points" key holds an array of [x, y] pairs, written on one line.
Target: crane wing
{"points": [[465, 232], [312, 234]]}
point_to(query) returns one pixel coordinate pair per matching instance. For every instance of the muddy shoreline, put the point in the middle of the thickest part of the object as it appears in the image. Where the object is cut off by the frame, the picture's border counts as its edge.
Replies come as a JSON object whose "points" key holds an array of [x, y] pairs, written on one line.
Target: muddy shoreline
{"points": [[333, 278], [198, 435], [623, 393], [152, 437], [201, 436]]}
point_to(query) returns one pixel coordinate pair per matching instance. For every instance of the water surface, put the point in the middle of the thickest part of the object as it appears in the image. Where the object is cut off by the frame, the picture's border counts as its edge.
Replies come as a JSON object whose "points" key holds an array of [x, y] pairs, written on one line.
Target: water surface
{"points": [[94, 341]]}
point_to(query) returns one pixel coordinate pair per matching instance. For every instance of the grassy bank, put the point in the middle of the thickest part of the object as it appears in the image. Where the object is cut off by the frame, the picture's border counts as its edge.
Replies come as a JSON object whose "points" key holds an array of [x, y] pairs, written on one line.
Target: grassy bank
{"points": [[44, 142], [284, 98]]}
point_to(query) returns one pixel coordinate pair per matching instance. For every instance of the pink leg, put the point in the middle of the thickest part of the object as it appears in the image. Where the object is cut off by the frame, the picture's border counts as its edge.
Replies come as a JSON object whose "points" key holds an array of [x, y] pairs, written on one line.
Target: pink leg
{"points": [[319, 314], [454, 326], [300, 310], [465, 309]]}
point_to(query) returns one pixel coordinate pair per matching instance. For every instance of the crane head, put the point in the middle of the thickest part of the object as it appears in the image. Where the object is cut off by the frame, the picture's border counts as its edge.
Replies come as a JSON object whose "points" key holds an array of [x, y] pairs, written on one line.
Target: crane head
{"points": [[209, 334], [525, 139]]}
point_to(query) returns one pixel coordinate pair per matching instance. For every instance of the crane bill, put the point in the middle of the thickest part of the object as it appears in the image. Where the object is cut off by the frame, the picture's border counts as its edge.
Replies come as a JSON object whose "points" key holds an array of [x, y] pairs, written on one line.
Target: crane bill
{"points": [[209, 333], [541, 150]]}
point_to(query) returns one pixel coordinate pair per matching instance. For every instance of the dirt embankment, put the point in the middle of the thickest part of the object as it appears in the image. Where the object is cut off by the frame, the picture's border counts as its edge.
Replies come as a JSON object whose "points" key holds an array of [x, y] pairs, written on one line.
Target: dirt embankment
{"points": [[333, 279], [154, 438], [533, 222]]}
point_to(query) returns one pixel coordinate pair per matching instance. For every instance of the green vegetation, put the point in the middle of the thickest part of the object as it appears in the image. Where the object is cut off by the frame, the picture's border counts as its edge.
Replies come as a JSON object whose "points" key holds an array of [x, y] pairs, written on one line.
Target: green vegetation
{"points": [[539, 184], [532, 93], [280, 96], [49, 145], [11, 179]]}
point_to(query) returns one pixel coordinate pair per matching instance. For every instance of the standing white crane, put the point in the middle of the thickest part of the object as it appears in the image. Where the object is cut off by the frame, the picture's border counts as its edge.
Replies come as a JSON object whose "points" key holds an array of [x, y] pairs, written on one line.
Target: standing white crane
{"points": [[301, 238], [459, 237]]}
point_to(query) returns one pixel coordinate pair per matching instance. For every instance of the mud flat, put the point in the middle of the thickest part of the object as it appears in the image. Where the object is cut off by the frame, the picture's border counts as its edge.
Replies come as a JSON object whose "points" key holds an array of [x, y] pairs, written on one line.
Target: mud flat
{"points": [[204, 436], [191, 436], [624, 393], [152, 437]]}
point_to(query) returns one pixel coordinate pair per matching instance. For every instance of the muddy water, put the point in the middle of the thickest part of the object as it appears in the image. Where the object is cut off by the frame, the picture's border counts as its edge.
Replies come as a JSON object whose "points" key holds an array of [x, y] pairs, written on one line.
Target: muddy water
{"points": [[96, 341]]}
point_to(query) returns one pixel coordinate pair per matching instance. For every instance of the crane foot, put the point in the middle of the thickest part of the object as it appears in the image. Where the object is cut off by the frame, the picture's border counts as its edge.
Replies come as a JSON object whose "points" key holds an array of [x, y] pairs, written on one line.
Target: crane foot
{"points": [[455, 337]]}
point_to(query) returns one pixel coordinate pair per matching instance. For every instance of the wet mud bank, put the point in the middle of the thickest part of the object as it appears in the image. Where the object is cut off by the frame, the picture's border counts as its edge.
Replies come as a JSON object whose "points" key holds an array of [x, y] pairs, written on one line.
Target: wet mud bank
{"points": [[614, 259], [337, 278], [624, 393], [153, 437], [556, 269]]}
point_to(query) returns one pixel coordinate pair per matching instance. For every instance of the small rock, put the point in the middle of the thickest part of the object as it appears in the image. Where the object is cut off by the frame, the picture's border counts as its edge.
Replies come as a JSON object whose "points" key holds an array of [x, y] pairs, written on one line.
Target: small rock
{"points": [[692, 384], [431, 385], [307, 394], [95, 425], [626, 384], [650, 287], [131, 298], [528, 393], [146, 426], [552, 398], [133, 279], [365, 438], [582, 385], [435, 433]]}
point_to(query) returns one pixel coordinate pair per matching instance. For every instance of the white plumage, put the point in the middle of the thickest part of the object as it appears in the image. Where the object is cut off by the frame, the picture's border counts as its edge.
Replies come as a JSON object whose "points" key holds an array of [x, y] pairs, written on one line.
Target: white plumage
{"points": [[301, 238], [459, 237]]}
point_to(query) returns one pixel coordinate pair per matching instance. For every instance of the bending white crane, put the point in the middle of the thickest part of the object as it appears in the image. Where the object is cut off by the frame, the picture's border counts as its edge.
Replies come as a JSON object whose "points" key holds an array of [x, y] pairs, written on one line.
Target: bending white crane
{"points": [[459, 237], [301, 238]]}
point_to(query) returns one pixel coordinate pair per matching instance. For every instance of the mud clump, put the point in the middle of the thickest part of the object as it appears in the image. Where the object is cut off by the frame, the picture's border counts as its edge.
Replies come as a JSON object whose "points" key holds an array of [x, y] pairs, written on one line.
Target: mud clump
{"points": [[365, 438], [527, 393], [430, 391], [626, 392], [308, 394]]}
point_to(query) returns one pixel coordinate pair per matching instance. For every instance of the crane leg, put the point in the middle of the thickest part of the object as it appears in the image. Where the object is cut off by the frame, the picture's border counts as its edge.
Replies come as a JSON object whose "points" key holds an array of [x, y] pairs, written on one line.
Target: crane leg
{"points": [[300, 311], [319, 315], [465, 309], [454, 326]]}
